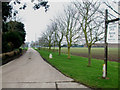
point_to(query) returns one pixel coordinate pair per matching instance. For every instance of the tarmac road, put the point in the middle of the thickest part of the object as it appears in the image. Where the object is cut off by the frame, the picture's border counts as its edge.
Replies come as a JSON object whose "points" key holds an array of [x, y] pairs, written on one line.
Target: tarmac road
{"points": [[31, 71]]}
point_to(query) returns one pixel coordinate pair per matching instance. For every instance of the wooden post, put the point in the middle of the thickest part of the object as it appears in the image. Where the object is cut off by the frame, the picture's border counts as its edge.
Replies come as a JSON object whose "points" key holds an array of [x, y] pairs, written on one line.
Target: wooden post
{"points": [[106, 44]]}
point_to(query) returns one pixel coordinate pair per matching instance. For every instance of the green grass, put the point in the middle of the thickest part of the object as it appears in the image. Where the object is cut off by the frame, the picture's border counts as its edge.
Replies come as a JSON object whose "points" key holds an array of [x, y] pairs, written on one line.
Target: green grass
{"points": [[26, 48], [76, 68]]}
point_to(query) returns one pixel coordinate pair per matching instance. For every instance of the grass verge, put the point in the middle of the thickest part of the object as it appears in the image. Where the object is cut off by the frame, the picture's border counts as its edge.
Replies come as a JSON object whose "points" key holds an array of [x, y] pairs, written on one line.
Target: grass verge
{"points": [[76, 68]]}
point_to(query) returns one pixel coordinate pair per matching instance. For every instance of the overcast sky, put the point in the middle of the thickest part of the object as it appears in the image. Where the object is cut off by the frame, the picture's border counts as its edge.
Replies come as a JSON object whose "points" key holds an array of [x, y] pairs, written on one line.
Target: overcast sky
{"points": [[36, 20]]}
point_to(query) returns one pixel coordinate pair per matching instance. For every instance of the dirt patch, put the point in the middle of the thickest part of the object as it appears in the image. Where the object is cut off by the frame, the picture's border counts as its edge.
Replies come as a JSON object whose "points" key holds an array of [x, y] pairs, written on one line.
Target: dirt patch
{"points": [[100, 56]]}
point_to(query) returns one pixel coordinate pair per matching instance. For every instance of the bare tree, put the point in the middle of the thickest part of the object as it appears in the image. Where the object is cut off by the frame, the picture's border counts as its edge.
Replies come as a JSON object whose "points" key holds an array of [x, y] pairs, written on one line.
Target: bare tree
{"points": [[59, 32], [42, 42], [48, 36], [54, 29], [91, 21], [70, 26]]}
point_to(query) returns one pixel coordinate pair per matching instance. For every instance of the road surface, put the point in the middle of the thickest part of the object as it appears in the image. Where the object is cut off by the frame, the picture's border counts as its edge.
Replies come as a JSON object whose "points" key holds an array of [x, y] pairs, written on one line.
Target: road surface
{"points": [[31, 71]]}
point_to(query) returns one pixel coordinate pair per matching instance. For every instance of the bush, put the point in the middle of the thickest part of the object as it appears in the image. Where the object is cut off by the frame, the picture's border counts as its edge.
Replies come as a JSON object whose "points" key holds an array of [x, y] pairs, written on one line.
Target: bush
{"points": [[20, 50], [13, 36]]}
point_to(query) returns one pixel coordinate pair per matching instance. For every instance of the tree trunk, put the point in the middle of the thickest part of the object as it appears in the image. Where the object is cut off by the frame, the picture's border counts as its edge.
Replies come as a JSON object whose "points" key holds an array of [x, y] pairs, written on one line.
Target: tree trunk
{"points": [[54, 47], [59, 50], [68, 52], [89, 56], [49, 47]]}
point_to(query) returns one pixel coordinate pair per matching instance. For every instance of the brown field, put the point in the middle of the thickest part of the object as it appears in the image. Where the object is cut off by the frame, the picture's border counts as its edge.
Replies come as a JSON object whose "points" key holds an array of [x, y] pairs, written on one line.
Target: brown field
{"points": [[97, 53]]}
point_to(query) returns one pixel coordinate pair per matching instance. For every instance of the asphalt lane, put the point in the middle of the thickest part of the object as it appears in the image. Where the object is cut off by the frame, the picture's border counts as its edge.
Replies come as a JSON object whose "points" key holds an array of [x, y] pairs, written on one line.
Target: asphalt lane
{"points": [[31, 71]]}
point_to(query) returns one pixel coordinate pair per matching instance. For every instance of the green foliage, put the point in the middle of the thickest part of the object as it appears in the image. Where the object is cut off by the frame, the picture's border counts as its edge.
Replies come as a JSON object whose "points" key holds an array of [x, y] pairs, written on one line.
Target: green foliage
{"points": [[4, 27], [17, 26], [11, 40], [13, 36], [6, 46], [76, 68], [6, 10]]}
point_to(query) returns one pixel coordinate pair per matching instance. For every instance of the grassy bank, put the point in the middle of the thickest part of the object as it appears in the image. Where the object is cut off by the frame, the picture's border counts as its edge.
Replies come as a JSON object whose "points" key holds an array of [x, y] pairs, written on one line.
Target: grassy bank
{"points": [[76, 68]]}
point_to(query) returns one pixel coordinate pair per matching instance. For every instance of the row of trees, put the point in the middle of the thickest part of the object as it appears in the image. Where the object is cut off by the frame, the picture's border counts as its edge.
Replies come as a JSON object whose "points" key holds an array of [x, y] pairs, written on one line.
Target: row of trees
{"points": [[81, 21], [13, 32]]}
